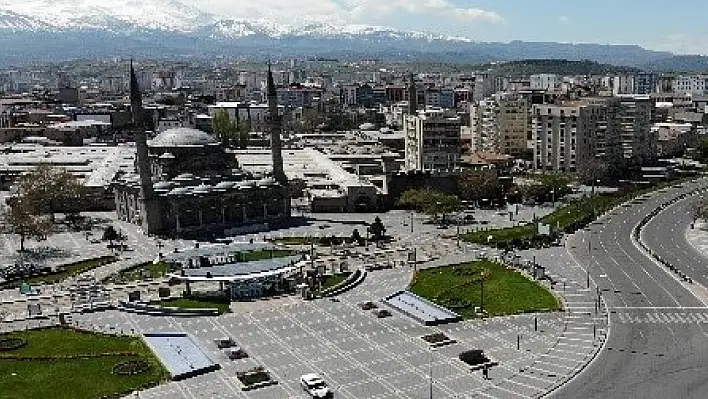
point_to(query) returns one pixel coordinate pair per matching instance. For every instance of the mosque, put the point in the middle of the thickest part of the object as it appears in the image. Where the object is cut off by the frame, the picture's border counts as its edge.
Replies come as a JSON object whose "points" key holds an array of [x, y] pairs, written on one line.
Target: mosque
{"points": [[189, 185]]}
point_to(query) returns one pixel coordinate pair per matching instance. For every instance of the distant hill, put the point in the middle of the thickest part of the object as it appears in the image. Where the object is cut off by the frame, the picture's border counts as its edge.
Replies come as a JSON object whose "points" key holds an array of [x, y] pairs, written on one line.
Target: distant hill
{"points": [[678, 63], [559, 67]]}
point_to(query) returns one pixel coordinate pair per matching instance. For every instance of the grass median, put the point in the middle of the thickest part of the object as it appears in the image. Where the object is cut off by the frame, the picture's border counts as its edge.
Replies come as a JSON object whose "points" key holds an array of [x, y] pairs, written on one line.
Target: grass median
{"points": [[506, 291]]}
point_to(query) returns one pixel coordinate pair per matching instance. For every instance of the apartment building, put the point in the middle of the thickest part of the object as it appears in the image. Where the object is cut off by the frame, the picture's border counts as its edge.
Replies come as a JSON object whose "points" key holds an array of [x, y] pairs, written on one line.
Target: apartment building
{"points": [[484, 124], [564, 135], [513, 123], [545, 81], [432, 140], [691, 84]]}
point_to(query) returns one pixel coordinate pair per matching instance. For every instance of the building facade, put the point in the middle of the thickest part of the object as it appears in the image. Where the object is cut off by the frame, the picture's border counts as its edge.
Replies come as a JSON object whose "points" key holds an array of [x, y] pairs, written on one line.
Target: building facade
{"points": [[564, 136], [432, 141]]}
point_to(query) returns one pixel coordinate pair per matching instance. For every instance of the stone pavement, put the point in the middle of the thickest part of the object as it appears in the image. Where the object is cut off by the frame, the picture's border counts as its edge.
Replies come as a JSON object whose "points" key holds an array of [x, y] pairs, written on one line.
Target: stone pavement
{"points": [[362, 356]]}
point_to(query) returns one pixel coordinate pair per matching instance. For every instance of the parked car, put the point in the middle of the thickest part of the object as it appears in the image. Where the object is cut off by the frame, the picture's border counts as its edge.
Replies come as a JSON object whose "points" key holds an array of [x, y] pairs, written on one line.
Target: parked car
{"points": [[381, 313], [236, 353], [368, 305], [225, 342], [315, 386]]}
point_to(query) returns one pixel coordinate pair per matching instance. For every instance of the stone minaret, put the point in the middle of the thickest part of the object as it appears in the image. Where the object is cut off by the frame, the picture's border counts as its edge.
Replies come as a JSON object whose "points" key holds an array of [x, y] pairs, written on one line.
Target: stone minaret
{"points": [[412, 96], [275, 127], [150, 211]]}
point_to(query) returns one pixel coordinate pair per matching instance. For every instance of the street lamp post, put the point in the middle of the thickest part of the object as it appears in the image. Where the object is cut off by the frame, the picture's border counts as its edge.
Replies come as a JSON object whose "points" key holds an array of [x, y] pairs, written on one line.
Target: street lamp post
{"points": [[431, 373], [412, 211], [458, 232], [589, 264]]}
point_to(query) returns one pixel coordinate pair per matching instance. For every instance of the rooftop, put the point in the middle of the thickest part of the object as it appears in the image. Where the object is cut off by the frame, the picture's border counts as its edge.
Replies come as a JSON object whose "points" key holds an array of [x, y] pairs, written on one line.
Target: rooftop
{"points": [[183, 137], [180, 354]]}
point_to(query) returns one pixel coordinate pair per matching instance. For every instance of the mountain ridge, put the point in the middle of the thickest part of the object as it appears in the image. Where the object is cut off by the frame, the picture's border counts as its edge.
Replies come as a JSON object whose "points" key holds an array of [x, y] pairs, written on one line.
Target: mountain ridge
{"points": [[48, 30]]}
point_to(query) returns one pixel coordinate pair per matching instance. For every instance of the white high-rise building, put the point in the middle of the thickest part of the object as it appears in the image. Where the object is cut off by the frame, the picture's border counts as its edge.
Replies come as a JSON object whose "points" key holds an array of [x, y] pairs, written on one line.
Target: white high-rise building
{"points": [[564, 136], [689, 84], [545, 81], [432, 141], [484, 121]]}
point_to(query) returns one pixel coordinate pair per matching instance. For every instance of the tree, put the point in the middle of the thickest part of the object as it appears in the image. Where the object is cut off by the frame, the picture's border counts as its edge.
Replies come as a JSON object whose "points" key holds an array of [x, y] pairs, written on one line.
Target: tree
{"points": [[20, 220], [701, 151], [310, 119], [430, 202], [479, 185], [110, 234], [296, 188], [356, 236], [243, 131], [700, 210], [377, 230], [48, 190], [225, 130]]}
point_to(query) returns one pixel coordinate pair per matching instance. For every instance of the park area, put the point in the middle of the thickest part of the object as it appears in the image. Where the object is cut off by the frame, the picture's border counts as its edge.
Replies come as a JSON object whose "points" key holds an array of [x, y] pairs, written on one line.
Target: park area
{"points": [[485, 285], [63, 363]]}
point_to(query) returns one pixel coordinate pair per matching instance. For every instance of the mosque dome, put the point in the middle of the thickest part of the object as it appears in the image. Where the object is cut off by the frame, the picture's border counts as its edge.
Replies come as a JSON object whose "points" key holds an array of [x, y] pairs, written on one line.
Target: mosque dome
{"points": [[183, 137]]}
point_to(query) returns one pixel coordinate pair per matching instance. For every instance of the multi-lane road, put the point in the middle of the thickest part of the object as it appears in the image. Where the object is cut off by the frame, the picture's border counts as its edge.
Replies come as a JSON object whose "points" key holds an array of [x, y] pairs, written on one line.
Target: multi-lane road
{"points": [[658, 344]]}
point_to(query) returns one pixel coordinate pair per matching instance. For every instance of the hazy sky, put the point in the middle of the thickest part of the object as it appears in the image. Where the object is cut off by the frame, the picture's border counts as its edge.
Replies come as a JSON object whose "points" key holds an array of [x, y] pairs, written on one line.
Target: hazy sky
{"points": [[656, 24]]}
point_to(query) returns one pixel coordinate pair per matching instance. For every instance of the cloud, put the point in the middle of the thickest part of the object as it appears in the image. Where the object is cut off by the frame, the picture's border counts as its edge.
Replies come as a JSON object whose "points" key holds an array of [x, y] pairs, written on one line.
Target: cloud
{"points": [[343, 11], [563, 18]]}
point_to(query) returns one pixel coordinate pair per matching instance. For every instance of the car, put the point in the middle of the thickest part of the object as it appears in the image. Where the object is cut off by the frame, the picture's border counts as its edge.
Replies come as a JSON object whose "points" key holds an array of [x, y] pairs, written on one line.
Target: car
{"points": [[381, 313], [225, 342], [368, 305], [315, 386], [235, 353]]}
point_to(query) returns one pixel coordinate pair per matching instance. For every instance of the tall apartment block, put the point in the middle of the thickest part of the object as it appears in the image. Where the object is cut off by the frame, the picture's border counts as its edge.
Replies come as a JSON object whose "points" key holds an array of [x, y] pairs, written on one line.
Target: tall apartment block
{"points": [[432, 141]]}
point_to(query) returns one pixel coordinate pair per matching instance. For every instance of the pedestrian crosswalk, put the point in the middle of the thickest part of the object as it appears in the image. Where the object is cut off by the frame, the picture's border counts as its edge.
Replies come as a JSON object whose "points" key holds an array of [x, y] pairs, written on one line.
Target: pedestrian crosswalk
{"points": [[662, 317]]}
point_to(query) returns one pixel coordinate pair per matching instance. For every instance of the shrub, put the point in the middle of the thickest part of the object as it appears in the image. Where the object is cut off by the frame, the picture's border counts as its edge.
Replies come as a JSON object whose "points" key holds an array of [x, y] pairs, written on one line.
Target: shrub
{"points": [[131, 367], [12, 343]]}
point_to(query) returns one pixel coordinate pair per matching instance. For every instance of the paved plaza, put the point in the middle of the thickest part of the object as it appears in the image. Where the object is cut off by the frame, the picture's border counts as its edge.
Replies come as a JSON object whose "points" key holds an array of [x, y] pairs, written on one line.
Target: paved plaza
{"points": [[362, 356]]}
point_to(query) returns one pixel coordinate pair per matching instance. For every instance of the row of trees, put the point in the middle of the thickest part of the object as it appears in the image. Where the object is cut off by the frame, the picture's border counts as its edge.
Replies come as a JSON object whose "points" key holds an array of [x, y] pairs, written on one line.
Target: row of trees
{"points": [[40, 195], [482, 185], [232, 133]]}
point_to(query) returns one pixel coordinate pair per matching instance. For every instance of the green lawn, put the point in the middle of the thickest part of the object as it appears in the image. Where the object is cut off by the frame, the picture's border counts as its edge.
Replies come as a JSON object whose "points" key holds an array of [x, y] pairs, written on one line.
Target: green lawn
{"points": [[506, 291], [65, 271], [156, 271], [222, 304], [251, 256], [332, 280], [80, 378]]}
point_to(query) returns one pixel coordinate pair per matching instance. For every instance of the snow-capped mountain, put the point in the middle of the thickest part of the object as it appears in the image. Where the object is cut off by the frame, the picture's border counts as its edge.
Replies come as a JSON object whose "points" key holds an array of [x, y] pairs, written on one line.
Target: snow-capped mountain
{"points": [[131, 16], [46, 30], [108, 15]]}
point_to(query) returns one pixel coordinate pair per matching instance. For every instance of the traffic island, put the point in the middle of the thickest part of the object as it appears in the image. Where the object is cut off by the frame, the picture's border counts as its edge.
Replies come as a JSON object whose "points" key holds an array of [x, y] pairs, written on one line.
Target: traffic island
{"points": [[437, 340], [477, 359]]}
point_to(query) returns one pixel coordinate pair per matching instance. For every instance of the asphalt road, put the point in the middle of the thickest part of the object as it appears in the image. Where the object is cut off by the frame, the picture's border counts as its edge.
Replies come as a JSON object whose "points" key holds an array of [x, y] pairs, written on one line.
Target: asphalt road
{"points": [[657, 347]]}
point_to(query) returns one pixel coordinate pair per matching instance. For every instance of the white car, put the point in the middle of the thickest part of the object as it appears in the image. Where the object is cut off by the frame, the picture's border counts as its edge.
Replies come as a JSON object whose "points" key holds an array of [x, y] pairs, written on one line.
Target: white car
{"points": [[315, 386]]}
